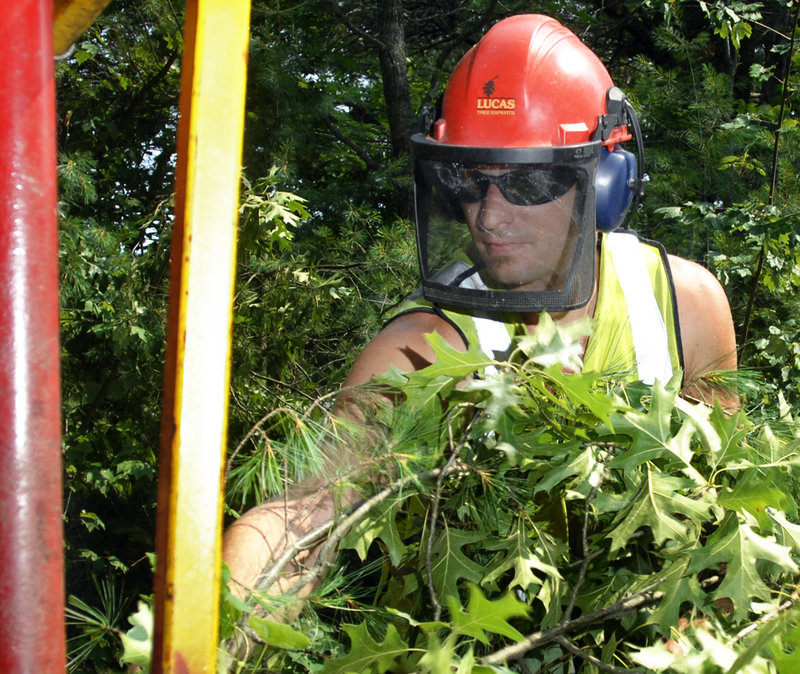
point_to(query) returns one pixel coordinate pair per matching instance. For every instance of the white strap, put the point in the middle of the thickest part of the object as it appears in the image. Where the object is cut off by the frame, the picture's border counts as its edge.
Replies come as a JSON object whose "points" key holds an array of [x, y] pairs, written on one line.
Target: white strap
{"points": [[493, 335], [647, 325]]}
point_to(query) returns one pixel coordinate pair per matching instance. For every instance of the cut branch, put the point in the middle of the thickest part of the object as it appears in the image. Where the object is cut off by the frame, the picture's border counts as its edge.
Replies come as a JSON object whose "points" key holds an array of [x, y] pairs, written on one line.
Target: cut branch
{"points": [[627, 606]]}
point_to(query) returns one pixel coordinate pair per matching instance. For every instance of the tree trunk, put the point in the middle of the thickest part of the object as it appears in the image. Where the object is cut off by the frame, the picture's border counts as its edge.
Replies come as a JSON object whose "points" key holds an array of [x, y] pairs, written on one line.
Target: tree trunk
{"points": [[396, 89]]}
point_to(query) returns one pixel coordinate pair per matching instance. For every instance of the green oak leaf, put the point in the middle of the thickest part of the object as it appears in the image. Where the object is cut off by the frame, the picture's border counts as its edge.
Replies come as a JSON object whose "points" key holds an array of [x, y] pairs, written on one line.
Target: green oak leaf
{"points": [[553, 344], [450, 564], [484, 615], [655, 506], [732, 430], [743, 554], [754, 492], [580, 466], [788, 533], [393, 377], [424, 389], [526, 554], [654, 658], [366, 655], [278, 634], [785, 647], [450, 362], [382, 524], [426, 626], [426, 399], [503, 395], [678, 587], [650, 432], [700, 414], [765, 636], [438, 657], [137, 642], [582, 389]]}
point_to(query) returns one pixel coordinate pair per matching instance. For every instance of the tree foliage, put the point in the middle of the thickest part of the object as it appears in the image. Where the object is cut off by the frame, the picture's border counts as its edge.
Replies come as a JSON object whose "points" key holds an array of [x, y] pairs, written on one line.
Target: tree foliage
{"points": [[545, 521]]}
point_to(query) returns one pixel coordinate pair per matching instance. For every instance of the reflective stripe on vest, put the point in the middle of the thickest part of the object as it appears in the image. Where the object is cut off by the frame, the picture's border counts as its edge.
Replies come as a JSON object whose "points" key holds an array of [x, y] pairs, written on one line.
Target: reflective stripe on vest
{"points": [[650, 339]]}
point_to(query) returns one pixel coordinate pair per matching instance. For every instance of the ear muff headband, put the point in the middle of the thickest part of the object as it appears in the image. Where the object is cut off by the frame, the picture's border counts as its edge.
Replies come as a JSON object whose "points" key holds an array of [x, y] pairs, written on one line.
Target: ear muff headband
{"points": [[620, 179]]}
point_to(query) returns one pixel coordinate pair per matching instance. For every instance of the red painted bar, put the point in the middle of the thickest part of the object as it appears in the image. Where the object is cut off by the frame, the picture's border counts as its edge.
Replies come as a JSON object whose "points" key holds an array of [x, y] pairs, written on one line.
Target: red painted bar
{"points": [[31, 558]]}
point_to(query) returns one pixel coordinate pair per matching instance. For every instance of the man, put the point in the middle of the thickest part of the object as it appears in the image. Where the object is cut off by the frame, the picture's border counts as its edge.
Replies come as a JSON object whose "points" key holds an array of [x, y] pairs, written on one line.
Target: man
{"points": [[520, 186]]}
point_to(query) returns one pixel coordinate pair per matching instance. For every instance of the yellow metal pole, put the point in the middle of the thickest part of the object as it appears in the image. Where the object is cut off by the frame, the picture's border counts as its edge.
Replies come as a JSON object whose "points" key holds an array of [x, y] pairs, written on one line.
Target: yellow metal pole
{"points": [[71, 18], [194, 422]]}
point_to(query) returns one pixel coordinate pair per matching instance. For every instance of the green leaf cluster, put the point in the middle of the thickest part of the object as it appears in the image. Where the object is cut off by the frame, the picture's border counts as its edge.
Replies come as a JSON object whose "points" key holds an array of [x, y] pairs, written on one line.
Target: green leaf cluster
{"points": [[589, 522]]}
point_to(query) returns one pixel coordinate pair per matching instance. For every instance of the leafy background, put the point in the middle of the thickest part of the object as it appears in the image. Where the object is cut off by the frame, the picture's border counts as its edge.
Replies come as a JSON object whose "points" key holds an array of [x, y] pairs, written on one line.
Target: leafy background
{"points": [[326, 248]]}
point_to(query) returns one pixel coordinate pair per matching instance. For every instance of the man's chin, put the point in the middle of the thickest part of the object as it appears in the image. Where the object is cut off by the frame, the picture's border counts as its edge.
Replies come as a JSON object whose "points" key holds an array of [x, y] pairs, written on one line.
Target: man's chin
{"points": [[511, 281]]}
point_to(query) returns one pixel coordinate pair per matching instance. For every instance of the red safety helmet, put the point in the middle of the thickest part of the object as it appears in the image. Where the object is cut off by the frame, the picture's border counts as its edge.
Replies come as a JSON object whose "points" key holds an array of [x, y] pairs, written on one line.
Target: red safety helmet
{"points": [[529, 100], [530, 82]]}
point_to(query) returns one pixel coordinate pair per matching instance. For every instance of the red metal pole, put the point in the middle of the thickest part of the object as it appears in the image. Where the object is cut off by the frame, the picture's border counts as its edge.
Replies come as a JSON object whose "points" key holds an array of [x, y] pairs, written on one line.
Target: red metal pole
{"points": [[31, 558]]}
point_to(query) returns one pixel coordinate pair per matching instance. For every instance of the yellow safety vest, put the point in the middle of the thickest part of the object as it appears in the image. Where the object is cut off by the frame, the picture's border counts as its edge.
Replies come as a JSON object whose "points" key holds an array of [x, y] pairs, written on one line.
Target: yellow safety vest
{"points": [[635, 330]]}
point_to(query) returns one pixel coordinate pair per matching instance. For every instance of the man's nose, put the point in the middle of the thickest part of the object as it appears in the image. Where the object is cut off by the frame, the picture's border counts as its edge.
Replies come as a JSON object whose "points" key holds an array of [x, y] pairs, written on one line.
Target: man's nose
{"points": [[494, 212]]}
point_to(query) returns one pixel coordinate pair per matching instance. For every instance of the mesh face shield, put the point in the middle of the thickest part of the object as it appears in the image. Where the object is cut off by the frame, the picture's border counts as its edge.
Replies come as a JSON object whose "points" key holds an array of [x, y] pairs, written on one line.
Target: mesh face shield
{"points": [[506, 229]]}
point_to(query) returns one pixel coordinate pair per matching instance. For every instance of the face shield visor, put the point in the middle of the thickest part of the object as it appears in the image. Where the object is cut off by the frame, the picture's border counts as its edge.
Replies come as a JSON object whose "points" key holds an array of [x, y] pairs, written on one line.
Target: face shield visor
{"points": [[506, 229]]}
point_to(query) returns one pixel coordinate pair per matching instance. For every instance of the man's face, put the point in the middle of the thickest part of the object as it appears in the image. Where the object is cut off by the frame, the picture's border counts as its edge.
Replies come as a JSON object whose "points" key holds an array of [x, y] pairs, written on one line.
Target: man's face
{"points": [[525, 247]]}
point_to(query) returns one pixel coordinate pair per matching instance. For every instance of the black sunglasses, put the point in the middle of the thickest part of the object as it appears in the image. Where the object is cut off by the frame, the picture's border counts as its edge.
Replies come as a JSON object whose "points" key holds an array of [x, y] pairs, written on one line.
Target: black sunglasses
{"points": [[521, 187]]}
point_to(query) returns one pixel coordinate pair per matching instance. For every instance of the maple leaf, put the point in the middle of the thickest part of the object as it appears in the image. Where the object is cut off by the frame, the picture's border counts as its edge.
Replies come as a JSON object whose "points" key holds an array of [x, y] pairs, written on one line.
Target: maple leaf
{"points": [[484, 615], [366, 655], [746, 557], [655, 506], [450, 564]]}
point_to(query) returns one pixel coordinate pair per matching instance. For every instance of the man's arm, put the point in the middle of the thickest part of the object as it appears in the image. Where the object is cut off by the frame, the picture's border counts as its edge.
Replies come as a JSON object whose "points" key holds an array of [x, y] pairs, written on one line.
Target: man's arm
{"points": [[401, 344], [707, 334], [257, 538]]}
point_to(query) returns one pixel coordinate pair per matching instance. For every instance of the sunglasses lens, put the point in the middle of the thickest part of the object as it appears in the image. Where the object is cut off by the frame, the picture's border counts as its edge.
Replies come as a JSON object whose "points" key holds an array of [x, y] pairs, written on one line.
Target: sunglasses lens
{"points": [[536, 186], [524, 187], [473, 185]]}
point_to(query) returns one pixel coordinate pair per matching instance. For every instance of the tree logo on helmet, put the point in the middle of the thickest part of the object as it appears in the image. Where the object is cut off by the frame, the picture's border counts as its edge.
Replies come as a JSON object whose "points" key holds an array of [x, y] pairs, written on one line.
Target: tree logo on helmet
{"points": [[495, 106]]}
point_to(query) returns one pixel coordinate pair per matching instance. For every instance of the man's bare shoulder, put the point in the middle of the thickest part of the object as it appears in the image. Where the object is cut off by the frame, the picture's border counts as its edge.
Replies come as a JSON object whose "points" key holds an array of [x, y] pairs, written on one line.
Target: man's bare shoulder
{"points": [[706, 324], [402, 344], [688, 274]]}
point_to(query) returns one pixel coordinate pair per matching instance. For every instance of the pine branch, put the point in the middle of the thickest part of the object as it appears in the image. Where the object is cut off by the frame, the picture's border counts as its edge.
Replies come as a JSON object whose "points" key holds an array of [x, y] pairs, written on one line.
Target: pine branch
{"points": [[333, 536]]}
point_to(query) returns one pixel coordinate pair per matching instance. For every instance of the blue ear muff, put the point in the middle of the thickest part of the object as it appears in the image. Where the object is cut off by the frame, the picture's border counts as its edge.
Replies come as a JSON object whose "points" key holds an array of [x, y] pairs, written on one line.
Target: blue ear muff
{"points": [[615, 184]]}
